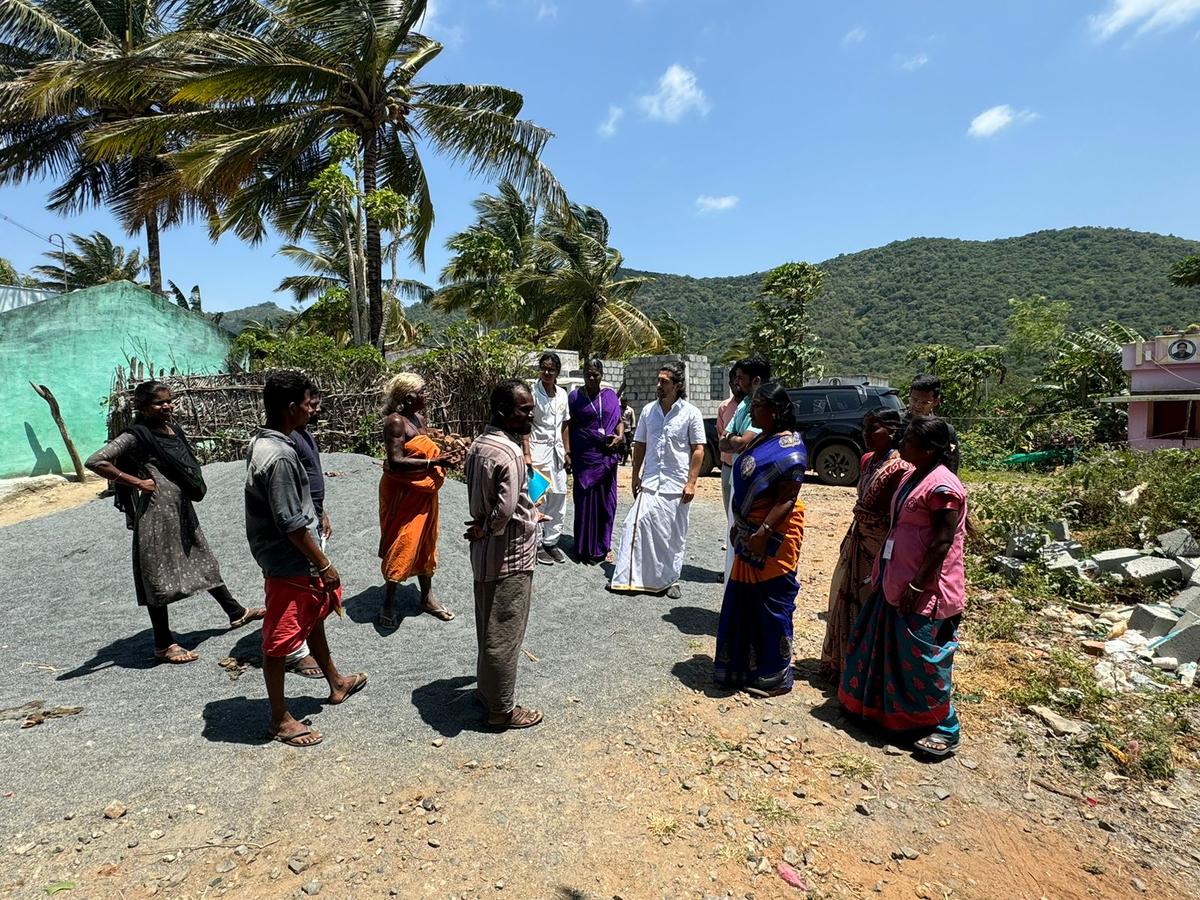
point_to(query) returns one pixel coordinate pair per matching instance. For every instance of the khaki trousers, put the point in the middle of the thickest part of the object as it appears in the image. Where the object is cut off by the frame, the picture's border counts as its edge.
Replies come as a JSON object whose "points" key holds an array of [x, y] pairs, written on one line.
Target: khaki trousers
{"points": [[501, 614]]}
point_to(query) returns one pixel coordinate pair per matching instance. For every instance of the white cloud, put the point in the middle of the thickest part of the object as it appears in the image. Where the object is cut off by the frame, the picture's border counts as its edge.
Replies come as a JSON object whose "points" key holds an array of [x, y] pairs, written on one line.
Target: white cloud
{"points": [[609, 126], [992, 121], [855, 35], [678, 94], [706, 204], [1146, 15], [433, 24], [547, 10], [915, 62]]}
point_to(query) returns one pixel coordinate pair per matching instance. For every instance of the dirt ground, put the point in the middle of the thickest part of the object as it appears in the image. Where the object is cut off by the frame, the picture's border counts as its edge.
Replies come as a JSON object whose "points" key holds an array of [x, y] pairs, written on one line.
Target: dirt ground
{"points": [[689, 793], [35, 504]]}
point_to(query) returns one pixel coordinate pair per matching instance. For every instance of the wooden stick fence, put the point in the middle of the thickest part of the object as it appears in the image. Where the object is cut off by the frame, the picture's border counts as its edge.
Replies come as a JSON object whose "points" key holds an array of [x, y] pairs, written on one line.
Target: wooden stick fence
{"points": [[220, 413]]}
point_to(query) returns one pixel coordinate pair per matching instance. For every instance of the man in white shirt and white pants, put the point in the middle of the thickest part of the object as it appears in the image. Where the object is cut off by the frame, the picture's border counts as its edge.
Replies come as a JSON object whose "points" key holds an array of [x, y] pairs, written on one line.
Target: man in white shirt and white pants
{"points": [[668, 449], [548, 449]]}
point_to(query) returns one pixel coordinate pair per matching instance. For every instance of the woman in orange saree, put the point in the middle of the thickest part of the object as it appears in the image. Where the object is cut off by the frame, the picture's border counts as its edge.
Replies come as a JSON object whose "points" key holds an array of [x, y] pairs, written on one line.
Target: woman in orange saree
{"points": [[413, 473]]}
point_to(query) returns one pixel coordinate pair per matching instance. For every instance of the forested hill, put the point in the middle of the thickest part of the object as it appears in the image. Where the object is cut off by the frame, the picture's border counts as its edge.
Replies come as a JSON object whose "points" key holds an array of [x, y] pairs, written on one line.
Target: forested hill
{"points": [[878, 303]]}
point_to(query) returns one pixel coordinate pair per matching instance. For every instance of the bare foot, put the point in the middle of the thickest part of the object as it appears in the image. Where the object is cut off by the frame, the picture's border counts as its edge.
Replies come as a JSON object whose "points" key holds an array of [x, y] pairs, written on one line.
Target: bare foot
{"points": [[347, 688]]}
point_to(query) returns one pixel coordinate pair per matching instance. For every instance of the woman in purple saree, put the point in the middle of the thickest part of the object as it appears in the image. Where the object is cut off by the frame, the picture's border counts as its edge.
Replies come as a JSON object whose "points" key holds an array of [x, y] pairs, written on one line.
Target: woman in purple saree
{"points": [[597, 435]]}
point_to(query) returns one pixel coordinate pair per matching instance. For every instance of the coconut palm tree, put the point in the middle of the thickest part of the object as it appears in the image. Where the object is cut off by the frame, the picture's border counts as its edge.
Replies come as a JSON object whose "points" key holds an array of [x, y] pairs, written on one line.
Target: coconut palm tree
{"points": [[483, 274], [284, 76], [576, 274], [70, 66], [327, 276], [95, 260]]}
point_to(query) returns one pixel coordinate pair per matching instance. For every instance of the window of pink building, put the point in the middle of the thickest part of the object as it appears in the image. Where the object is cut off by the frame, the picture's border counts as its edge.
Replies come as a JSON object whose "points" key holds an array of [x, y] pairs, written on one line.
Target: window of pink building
{"points": [[1175, 419]]}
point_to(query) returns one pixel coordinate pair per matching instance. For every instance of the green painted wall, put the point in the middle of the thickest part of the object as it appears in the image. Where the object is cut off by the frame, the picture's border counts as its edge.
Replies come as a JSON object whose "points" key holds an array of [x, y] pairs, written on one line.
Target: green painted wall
{"points": [[73, 343]]}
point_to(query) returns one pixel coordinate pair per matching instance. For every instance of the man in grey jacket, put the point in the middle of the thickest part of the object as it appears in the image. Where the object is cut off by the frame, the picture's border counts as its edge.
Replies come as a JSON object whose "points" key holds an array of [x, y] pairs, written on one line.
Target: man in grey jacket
{"points": [[302, 585]]}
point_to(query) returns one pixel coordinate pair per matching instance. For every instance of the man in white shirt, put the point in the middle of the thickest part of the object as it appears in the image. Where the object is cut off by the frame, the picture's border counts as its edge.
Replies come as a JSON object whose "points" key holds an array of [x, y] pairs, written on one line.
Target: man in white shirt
{"points": [[668, 449], [548, 449]]}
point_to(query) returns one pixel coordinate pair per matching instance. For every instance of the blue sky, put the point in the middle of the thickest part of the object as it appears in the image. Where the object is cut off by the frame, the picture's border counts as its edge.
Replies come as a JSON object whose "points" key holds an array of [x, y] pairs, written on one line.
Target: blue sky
{"points": [[722, 145]]}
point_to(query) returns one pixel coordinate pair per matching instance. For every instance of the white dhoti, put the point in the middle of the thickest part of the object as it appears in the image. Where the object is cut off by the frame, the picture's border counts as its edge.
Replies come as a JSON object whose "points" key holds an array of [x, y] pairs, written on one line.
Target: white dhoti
{"points": [[550, 460], [650, 556]]}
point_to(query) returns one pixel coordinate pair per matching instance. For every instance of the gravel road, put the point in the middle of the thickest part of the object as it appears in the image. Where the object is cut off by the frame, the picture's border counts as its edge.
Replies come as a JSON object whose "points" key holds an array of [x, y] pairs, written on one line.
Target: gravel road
{"points": [[149, 733]]}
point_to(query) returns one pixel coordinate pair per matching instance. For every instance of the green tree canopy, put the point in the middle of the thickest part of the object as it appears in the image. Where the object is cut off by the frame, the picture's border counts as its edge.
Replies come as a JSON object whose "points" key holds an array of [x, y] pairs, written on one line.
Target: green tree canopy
{"points": [[283, 76], [94, 260], [73, 67]]}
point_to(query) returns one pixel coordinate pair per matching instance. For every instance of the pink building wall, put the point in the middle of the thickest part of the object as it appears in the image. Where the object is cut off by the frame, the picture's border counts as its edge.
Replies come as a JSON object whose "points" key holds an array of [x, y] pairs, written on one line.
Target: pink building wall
{"points": [[1152, 371]]}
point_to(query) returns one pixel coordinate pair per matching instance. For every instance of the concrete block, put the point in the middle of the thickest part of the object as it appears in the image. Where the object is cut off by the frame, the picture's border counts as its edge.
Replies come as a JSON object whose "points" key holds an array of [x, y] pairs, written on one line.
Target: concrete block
{"points": [[1153, 621], [1188, 600], [1151, 570], [1060, 530], [1025, 545], [1187, 620], [1010, 567], [1178, 543], [1183, 645], [1189, 565], [1110, 561]]}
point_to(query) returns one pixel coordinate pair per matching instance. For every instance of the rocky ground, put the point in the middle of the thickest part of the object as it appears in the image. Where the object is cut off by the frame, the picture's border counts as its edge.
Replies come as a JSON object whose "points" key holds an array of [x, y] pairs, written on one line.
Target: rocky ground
{"points": [[643, 782]]}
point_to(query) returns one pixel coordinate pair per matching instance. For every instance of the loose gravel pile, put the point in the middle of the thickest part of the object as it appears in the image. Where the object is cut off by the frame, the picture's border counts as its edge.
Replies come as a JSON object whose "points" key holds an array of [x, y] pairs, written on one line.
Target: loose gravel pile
{"points": [[72, 635]]}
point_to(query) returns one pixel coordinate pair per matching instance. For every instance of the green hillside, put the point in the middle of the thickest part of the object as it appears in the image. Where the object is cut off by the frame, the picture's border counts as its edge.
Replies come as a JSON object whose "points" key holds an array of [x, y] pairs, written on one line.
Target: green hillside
{"points": [[880, 302]]}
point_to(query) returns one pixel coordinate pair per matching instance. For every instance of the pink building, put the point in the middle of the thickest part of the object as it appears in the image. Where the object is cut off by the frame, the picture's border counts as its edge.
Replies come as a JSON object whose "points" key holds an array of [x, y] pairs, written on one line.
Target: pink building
{"points": [[1164, 400]]}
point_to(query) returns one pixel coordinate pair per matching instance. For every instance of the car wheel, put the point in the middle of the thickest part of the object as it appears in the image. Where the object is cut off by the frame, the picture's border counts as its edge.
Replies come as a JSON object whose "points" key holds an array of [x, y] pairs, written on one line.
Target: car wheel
{"points": [[837, 464]]}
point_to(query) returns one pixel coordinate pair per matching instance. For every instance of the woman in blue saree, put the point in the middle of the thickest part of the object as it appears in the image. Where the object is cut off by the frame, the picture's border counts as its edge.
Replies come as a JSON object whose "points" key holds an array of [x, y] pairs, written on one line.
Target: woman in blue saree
{"points": [[754, 637]]}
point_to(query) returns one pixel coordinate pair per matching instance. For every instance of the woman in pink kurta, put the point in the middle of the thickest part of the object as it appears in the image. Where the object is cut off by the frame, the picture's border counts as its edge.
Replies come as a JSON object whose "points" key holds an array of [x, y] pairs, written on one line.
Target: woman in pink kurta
{"points": [[900, 658]]}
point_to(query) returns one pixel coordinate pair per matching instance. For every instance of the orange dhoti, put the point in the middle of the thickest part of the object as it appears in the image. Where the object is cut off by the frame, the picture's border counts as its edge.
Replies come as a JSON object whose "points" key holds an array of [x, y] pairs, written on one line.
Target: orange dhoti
{"points": [[408, 515]]}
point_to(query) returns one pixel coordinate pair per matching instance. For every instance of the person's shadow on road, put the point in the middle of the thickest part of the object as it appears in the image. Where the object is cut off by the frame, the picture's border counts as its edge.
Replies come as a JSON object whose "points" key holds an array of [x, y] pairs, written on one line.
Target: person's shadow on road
{"points": [[242, 720], [693, 620], [363, 608], [696, 673], [136, 652], [449, 707]]}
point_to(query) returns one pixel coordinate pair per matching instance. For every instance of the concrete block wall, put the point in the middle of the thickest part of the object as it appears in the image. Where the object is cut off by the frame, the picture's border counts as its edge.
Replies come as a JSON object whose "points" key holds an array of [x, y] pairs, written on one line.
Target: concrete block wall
{"points": [[641, 376]]}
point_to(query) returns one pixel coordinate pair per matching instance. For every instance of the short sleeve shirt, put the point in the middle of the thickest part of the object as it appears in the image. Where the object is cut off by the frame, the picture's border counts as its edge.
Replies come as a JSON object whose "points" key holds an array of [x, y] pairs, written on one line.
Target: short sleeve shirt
{"points": [[549, 414], [278, 502], [669, 439]]}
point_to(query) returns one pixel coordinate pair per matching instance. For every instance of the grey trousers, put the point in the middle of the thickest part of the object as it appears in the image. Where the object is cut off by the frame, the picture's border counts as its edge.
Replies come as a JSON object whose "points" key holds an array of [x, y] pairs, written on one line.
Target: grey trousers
{"points": [[726, 484], [501, 614]]}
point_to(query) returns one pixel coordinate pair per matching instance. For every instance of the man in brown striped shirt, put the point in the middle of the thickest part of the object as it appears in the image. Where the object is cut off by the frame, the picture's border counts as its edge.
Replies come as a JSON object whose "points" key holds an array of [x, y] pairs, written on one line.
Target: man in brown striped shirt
{"points": [[503, 536]]}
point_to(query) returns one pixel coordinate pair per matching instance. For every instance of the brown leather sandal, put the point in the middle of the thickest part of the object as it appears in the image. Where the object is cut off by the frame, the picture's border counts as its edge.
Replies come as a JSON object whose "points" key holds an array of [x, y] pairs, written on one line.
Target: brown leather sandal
{"points": [[520, 717]]}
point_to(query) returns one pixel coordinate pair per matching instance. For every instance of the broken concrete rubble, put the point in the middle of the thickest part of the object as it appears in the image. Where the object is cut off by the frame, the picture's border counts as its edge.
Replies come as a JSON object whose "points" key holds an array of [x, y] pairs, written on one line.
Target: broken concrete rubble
{"points": [[1060, 725], [1153, 621], [1009, 566], [1183, 644], [1110, 561], [1025, 545], [1060, 530], [1151, 570], [1178, 543], [1188, 600]]}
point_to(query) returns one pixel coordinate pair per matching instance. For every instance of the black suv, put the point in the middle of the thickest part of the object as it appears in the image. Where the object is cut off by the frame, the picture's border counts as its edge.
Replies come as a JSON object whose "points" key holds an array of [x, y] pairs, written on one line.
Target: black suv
{"points": [[830, 419]]}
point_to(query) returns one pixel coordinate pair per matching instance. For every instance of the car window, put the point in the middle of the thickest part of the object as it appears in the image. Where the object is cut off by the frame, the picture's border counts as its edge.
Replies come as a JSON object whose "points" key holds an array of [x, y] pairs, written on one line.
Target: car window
{"points": [[891, 400], [844, 401], [810, 403]]}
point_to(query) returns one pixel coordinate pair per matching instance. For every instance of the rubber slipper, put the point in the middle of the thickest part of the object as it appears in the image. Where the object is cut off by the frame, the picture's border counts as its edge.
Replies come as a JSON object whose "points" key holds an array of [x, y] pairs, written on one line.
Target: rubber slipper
{"points": [[296, 740], [250, 615], [311, 671], [387, 623], [936, 746], [360, 682], [439, 612]]}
